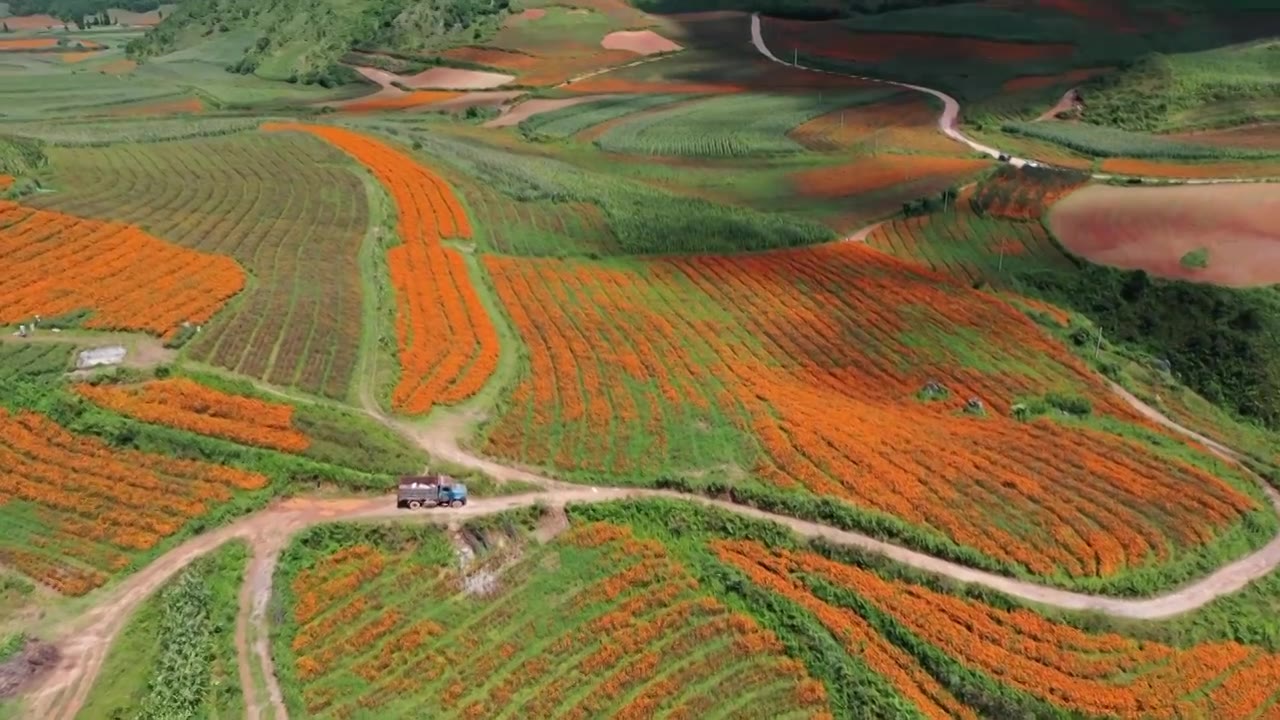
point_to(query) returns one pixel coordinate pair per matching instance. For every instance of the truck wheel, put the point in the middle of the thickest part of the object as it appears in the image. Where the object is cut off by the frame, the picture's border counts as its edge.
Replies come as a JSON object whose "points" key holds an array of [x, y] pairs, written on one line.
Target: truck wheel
{"points": [[456, 503], [414, 504]]}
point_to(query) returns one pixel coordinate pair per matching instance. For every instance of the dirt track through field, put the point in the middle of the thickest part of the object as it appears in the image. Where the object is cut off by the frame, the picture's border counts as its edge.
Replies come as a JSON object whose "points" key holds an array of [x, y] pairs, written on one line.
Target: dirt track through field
{"points": [[84, 642]]}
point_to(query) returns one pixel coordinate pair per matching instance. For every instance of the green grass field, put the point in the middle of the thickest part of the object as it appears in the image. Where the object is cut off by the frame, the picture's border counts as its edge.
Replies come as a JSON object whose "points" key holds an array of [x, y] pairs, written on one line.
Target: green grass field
{"points": [[746, 125], [572, 120], [1098, 141], [176, 657]]}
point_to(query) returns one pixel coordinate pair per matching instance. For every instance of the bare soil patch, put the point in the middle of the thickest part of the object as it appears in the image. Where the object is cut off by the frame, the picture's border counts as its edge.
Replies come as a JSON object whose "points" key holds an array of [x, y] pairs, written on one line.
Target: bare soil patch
{"points": [[479, 98], [447, 78], [641, 42], [1153, 228], [34, 658], [517, 114]]}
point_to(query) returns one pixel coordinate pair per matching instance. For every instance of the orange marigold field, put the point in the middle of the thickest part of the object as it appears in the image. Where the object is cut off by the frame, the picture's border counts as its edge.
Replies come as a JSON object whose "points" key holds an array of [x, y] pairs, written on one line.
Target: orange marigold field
{"points": [[873, 173], [627, 633], [448, 344], [28, 44], [400, 101], [187, 405], [6, 181], [817, 355], [1094, 674], [59, 264], [75, 511], [1156, 168]]}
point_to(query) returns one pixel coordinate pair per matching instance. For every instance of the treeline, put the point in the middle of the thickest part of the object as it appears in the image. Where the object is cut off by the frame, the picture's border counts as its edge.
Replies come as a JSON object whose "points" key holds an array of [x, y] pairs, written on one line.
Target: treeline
{"points": [[304, 40], [74, 11], [1223, 343]]}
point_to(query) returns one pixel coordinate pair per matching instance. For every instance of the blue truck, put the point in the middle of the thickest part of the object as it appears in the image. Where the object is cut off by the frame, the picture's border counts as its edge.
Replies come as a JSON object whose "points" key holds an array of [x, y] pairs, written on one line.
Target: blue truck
{"points": [[430, 490]]}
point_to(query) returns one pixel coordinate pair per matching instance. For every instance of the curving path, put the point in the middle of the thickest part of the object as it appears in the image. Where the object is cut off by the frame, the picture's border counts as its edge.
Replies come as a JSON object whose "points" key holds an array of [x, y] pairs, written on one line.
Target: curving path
{"points": [[85, 641], [949, 120]]}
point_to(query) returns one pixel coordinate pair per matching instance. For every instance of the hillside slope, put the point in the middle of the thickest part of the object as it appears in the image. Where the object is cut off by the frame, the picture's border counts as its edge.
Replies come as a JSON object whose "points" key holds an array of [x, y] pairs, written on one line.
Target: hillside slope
{"points": [[301, 40]]}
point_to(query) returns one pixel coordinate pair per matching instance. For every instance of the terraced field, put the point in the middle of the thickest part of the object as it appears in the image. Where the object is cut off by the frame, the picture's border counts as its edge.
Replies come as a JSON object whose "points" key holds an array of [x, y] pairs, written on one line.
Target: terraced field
{"points": [[598, 623], [694, 368], [288, 208]]}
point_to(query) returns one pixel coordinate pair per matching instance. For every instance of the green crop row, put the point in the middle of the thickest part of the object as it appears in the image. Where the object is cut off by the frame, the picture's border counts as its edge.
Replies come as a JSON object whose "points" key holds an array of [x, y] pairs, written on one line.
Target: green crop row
{"points": [[1102, 141], [177, 656], [41, 360], [135, 130], [684, 224], [572, 120], [729, 126]]}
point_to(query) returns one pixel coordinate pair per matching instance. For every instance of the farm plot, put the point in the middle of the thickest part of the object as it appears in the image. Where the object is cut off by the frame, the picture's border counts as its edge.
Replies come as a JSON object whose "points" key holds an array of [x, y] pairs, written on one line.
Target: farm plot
{"points": [[448, 345], [906, 122], [37, 360], [177, 655], [810, 363], [967, 246], [598, 623], [298, 324], [572, 120], [1161, 229], [1044, 668], [1098, 141], [187, 405], [536, 227], [727, 126], [1023, 193], [76, 511], [1157, 169], [113, 276], [881, 171]]}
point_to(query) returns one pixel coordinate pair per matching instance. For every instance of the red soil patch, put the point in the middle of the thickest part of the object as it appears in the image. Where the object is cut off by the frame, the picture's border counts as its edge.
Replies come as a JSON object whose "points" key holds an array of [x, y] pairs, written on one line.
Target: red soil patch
{"points": [[118, 67], [1152, 228], [1263, 136], [1154, 168], [529, 108], [833, 40], [880, 171], [377, 76], [908, 122], [1040, 82], [33, 22], [399, 100], [616, 85], [5, 182], [28, 44], [1104, 13], [76, 57], [477, 98], [188, 106], [492, 57], [641, 42], [448, 78]]}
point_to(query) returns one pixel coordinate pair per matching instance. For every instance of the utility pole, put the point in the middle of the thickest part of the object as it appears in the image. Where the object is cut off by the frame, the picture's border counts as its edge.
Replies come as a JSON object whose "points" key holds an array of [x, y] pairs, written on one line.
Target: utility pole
{"points": [[1098, 348], [795, 57]]}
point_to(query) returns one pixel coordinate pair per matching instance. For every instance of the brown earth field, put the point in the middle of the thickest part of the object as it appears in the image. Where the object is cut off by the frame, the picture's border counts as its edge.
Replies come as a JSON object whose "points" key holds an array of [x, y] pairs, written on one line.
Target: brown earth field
{"points": [[1261, 136], [1154, 228]]}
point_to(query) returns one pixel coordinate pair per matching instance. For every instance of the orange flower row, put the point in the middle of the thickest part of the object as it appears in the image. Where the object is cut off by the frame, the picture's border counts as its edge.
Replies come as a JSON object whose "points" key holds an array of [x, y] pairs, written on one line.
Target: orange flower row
{"points": [[615, 658], [448, 345], [818, 355], [59, 264], [96, 506], [188, 405], [1103, 674]]}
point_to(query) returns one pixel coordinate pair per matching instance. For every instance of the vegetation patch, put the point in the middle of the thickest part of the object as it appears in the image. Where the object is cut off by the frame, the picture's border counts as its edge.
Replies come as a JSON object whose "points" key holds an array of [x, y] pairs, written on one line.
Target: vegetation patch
{"points": [[177, 657]]}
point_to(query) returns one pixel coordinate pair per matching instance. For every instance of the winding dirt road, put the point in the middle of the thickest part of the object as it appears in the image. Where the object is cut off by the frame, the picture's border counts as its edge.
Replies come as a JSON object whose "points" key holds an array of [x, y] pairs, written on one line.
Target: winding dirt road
{"points": [[949, 120], [85, 641]]}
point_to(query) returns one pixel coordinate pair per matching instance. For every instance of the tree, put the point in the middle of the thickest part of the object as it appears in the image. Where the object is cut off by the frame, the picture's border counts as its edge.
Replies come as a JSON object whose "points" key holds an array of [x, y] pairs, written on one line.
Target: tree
{"points": [[6, 28]]}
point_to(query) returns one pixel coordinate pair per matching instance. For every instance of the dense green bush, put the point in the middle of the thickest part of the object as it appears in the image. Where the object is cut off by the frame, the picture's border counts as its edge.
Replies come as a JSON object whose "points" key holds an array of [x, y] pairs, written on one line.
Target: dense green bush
{"points": [[1223, 343], [20, 155]]}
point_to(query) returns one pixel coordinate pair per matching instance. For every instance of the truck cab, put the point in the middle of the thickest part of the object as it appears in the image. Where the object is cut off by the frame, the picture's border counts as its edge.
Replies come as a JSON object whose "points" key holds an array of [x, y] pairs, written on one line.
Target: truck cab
{"points": [[430, 491]]}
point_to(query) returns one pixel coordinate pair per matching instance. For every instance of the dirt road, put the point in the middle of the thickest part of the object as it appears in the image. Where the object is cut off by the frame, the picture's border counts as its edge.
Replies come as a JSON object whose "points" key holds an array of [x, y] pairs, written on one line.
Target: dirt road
{"points": [[949, 120]]}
